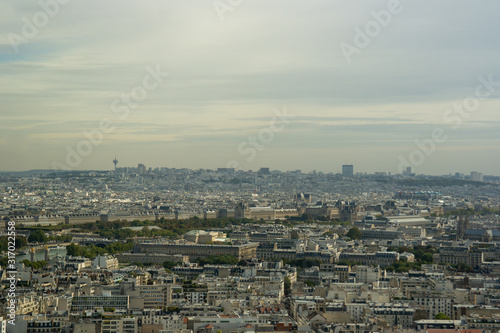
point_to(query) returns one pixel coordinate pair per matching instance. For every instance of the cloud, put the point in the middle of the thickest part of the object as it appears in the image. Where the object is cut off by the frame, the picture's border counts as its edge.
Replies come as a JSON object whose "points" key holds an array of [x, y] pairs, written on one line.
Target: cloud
{"points": [[227, 76]]}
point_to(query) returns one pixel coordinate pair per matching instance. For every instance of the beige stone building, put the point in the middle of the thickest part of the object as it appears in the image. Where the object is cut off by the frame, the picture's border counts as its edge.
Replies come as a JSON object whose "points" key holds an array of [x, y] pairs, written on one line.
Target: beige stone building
{"points": [[194, 251]]}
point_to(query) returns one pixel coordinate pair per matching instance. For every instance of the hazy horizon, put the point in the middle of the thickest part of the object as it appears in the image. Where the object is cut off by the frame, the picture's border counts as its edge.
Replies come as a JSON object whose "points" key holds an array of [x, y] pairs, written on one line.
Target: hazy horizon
{"points": [[335, 172], [283, 84]]}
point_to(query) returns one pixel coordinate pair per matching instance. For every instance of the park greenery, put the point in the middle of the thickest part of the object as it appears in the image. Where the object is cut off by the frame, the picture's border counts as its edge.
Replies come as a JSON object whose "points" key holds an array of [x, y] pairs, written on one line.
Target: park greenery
{"points": [[4, 261], [462, 267], [91, 251], [292, 220], [36, 264], [349, 263], [441, 316], [288, 286], [423, 255], [143, 264], [168, 228], [354, 233], [38, 236], [170, 264], [53, 227], [309, 283], [302, 263], [402, 265], [61, 238], [20, 241], [224, 259]]}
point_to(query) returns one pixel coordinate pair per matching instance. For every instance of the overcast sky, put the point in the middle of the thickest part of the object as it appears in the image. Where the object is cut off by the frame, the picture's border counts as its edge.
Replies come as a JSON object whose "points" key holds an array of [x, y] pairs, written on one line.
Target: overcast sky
{"points": [[231, 67]]}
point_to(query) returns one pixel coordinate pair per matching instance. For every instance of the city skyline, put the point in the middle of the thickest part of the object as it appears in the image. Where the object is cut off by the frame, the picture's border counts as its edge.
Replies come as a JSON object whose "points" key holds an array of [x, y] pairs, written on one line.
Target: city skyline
{"points": [[190, 86], [472, 174], [231, 166]]}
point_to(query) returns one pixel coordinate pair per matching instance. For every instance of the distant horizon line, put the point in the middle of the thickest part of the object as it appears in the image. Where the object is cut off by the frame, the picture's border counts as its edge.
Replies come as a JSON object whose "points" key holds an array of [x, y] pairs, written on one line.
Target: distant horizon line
{"points": [[388, 173]]}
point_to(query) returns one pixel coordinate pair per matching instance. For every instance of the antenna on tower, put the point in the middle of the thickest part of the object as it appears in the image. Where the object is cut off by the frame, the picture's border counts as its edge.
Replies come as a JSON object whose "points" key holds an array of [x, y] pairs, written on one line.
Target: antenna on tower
{"points": [[115, 162]]}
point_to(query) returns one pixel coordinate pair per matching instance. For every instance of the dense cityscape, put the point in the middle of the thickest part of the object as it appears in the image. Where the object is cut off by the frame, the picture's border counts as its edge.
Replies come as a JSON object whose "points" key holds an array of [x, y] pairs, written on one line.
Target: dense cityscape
{"points": [[232, 166], [142, 249]]}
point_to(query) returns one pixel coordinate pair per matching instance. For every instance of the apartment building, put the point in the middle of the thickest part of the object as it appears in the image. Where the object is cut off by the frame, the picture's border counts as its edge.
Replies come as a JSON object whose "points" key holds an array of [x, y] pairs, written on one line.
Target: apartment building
{"points": [[195, 251], [342, 271], [106, 262], [91, 302], [395, 314], [460, 255], [435, 301], [45, 326], [380, 234], [157, 258], [122, 325], [381, 258]]}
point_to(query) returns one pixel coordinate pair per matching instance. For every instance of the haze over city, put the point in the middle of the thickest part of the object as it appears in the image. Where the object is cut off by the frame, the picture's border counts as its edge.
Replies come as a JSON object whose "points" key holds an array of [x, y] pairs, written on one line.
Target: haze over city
{"points": [[239, 166], [353, 98]]}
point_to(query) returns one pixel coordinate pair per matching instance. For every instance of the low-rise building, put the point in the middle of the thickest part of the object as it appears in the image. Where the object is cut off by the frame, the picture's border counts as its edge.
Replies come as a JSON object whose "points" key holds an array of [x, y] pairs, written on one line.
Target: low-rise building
{"points": [[106, 262]]}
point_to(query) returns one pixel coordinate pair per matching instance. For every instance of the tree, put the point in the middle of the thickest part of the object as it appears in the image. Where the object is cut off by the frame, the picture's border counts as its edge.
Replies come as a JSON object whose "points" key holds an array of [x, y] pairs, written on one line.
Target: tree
{"points": [[73, 250], [224, 259], [38, 236], [463, 267], [304, 263], [169, 264], [354, 233], [309, 283], [91, 251], [305, 217], [427, 258], [35, 265], [146, 232], [287, 285], [20, 242], [441, 316]]}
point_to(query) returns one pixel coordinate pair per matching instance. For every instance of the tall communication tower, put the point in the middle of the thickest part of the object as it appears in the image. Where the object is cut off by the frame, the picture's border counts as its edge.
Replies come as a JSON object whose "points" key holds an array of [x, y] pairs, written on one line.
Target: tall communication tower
{"points": [[115, 162]]}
